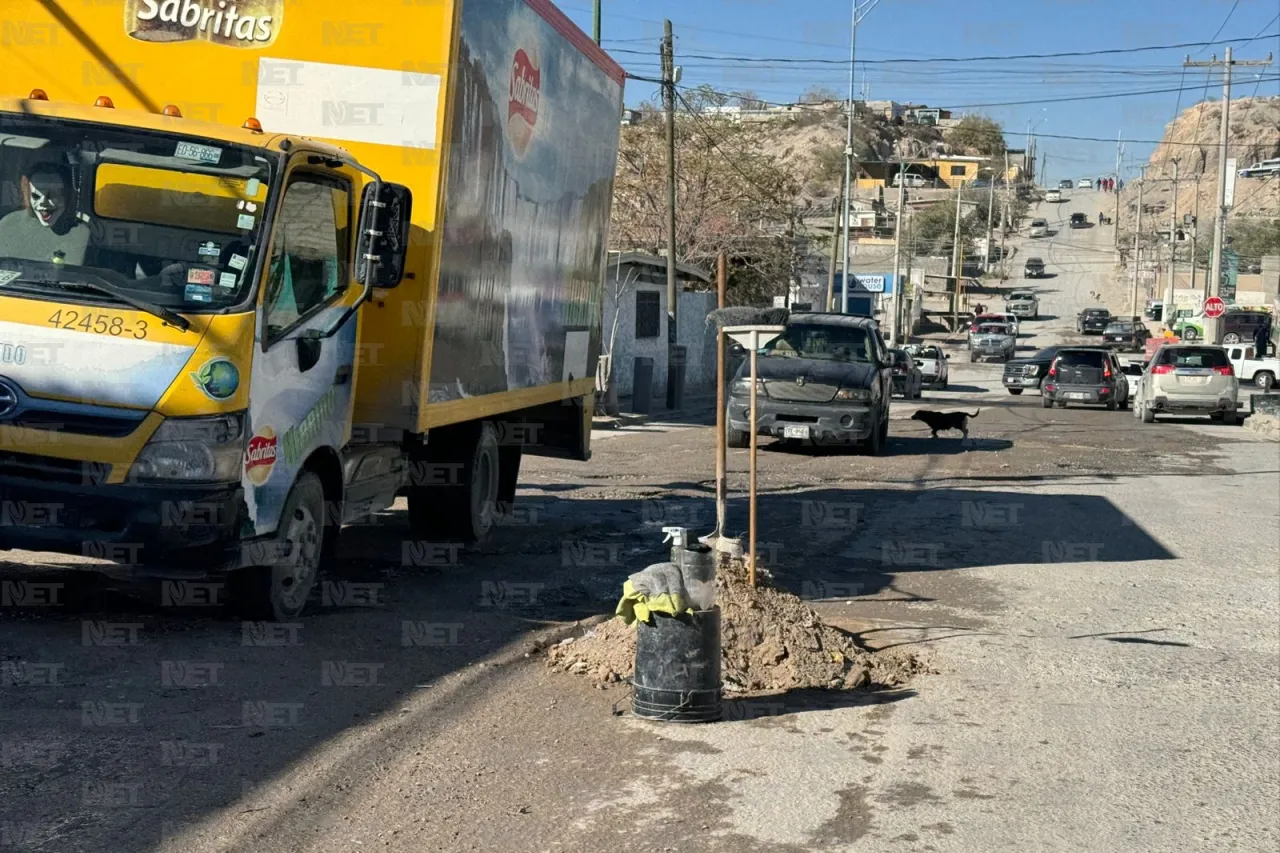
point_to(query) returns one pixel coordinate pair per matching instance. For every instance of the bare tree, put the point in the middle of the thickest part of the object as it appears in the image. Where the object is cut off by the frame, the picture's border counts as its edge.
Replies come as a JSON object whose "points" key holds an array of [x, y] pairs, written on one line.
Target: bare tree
{"points": [[618, 287]]}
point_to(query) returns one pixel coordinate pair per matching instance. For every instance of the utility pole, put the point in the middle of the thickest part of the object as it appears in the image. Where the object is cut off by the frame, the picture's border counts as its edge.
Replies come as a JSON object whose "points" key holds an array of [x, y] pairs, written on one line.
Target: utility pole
{"points": [[673, 297], [1115, 237], [595, 23], [1173, 236], [1137, 246], [835, 253], [850, 166], [955, 264], [1195, 228], [895, 326], [722, 277], [991, 206], [1004, 212], [1213, 325]]}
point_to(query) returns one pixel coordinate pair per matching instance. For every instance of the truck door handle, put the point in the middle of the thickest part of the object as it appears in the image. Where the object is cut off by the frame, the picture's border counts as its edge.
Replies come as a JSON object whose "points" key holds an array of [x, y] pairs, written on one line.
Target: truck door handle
{"points": [[343, 376]]}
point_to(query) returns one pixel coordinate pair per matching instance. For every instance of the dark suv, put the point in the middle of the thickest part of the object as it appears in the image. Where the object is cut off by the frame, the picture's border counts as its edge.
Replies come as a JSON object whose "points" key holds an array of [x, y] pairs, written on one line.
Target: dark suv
{"points": [[1093, 321], [1021, 374], [1241, 326], [1087, 375], [1079, 220], [828, 378]]}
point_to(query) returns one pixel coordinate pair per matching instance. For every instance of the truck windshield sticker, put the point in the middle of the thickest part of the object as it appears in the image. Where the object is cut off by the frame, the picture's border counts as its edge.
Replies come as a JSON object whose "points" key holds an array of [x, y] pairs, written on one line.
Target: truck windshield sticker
{"points": [[200, 276], [237, 262], [245, 221], [209, 249], [227, 280], [246, 23], [199, 153], [7, 276], [198, 293], [251, 187]]}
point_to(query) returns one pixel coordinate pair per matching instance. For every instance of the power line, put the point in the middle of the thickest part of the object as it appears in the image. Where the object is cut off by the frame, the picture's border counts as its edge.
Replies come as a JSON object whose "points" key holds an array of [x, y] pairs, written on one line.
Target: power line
{"points": [[955, 59]]}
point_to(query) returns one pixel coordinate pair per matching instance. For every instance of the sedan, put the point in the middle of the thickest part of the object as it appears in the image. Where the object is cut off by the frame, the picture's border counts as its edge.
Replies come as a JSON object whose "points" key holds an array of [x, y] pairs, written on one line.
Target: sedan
{"points": [[908, 379], [1065, 184], [1084, 184]]}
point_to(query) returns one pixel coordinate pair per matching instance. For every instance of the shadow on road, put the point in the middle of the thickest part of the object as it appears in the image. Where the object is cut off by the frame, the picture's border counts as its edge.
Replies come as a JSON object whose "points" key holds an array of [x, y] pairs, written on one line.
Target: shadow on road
{"points": [[801, 701]]}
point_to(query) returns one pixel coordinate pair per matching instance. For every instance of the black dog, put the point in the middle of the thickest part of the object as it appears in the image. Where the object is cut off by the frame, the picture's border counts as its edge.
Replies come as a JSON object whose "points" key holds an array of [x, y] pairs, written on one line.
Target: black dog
{"points": [[945, 420]]}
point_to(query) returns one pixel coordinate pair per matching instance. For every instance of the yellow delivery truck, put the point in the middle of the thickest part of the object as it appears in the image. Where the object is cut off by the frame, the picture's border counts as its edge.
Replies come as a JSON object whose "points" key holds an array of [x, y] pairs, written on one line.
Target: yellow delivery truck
{"points": [[267, 264]]}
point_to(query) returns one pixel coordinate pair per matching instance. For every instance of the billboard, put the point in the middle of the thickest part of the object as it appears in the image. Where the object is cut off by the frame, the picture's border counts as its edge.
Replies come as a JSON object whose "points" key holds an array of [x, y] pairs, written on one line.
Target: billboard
{"points": [[532, 149]]}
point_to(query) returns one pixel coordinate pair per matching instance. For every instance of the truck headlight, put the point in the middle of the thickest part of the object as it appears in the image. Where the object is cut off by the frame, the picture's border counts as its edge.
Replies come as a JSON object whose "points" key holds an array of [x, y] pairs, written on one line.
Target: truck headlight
{"points": [[203, 449], [1033, 369], [860, 394], [742, 388]]}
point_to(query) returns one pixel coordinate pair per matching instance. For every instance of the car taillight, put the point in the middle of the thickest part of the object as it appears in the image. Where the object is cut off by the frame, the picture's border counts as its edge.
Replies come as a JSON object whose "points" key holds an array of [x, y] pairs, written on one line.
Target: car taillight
{"points": [[1162, 368], [1106, 371], [1225, 370]]}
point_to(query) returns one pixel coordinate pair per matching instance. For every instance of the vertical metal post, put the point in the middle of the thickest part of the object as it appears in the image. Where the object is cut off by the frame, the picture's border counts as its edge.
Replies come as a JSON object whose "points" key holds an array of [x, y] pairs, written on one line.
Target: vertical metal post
{"points": [[751, 522], [1173, 236], [1137, 249], [1212, 325], [830, 304], [955, 265], [721, 414], [895, 327], [849, 171], [595, 22], [673, 297]]}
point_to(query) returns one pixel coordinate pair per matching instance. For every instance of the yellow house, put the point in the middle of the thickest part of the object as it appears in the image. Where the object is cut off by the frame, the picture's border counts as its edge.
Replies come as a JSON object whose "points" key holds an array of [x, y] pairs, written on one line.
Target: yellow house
{"points": [[944, 171]]}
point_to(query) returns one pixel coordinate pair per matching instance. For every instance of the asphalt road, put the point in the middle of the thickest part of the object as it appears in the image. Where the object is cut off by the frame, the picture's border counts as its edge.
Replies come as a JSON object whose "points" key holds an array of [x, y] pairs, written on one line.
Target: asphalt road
{"points": [[1097, 597]]}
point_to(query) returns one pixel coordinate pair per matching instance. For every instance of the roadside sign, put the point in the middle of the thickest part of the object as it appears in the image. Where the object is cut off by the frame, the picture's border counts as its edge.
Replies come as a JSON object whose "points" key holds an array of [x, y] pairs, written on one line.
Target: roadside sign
{"points": [[1214, 307], [1229, 197]]}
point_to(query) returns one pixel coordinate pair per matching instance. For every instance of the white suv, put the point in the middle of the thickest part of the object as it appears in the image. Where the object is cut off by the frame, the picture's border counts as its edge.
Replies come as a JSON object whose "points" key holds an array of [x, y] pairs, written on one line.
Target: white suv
{"points": [[1188, 379]]}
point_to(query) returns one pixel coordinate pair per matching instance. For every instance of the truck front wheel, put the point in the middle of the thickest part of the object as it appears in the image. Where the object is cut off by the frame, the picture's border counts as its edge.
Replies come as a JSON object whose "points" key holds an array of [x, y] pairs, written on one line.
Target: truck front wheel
{"points": [[459, 504], [278, 591], [1264, 380]]}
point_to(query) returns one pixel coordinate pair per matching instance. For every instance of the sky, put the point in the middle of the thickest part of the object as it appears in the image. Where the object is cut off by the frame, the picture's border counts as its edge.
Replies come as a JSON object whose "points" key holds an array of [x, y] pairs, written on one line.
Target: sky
{"points": [[812, 39]]}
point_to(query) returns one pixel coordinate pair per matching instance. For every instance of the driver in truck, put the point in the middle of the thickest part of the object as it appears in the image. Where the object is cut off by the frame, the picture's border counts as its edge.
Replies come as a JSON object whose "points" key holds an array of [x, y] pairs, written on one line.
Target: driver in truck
{"points": [[45, 228]]}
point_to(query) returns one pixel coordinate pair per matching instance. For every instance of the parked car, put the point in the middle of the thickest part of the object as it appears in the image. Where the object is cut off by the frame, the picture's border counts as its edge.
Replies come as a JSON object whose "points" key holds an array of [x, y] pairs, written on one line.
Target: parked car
{"points": [[1053, 196], [1241, 326], [911, 180], [908, 380], [1250, 368], [1126, 335], [1085, 184], [1261, 170], [1154, 310], [1023, 304], [1022, 374], [1039, 227], [1064, 184], [1189, 379], [827, 378], [1133, 375], [1093, 321], [1088, 375], [1079, 220], [932, 362], [1033, 268], [992, 340]]}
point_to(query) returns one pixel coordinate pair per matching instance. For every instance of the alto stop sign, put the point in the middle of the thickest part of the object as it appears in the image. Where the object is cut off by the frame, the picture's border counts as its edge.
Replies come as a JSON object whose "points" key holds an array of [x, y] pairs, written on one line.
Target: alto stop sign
{"points": [[1214, 307]]}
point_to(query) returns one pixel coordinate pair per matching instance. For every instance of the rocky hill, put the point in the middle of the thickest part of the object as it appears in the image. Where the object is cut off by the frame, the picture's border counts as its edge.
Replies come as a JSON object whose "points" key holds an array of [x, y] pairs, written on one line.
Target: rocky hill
{"points": [[1192, 140]]}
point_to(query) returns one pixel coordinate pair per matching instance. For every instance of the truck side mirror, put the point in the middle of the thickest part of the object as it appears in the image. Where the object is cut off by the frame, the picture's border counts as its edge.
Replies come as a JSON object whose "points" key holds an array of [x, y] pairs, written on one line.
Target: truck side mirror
{"points": [[384, 234]]}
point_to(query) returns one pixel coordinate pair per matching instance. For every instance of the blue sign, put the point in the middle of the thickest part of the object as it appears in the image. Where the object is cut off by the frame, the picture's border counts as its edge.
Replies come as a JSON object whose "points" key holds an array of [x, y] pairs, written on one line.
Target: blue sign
{"points": [[867, 284]]}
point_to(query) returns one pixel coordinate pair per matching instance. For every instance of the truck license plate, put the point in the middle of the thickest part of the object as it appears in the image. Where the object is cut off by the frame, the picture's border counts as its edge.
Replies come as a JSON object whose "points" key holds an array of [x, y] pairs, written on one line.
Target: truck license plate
{"points": [[795, 432], [1077, 395]]}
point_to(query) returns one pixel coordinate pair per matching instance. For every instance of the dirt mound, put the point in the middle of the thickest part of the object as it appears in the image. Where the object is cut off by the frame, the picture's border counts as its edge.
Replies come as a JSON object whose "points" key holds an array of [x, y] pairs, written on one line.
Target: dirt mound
{"points": [[770, 640]]}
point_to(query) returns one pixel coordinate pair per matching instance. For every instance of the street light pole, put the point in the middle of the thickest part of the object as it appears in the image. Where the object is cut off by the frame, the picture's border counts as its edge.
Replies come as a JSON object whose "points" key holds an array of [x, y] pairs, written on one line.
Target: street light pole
{"points": [[850, 168]]}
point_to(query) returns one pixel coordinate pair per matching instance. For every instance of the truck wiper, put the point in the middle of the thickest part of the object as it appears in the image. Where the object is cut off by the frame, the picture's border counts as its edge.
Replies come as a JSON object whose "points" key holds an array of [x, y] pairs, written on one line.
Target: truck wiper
{"points": [[92, 282]]}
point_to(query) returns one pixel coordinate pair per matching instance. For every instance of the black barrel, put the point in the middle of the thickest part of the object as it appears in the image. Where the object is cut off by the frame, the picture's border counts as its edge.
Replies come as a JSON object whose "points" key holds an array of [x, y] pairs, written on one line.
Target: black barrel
{"points": [[677, 676]]}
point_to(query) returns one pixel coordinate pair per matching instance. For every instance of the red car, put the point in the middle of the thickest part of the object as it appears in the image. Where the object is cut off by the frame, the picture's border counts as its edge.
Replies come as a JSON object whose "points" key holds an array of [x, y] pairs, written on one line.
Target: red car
{"points": [[984, 318]]}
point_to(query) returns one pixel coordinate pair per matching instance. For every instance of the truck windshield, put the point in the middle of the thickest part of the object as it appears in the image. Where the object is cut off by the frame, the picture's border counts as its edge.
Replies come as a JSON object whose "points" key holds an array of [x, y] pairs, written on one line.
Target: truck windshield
{"points": [[837, 343], [115, 214]]}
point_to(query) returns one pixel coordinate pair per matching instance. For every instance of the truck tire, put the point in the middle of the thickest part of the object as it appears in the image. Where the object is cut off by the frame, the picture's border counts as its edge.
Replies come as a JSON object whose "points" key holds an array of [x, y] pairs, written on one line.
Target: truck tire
{"points": [[874, 445], [1231, 338], [1230, 418], [738, 438], [463, 510], [1264, 380], [279, 592]]}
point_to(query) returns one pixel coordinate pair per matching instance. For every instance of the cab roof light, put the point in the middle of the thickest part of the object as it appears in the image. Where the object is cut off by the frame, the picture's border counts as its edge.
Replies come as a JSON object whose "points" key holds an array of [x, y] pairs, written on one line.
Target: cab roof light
{"points": [[172, 110], [38, 95], [252, 124], [104, 101]]}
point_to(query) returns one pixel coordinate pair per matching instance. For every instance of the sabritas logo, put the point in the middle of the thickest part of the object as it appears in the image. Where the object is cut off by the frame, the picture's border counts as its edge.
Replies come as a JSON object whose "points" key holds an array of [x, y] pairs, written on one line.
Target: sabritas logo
{"points": [[234, 23], [526, 94], [260, 455]]}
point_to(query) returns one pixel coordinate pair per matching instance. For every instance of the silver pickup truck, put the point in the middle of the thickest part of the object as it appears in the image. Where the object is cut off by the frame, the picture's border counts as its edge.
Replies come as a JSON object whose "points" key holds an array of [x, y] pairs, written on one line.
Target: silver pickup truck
{"points": [[992, 340], [1023, 303]]}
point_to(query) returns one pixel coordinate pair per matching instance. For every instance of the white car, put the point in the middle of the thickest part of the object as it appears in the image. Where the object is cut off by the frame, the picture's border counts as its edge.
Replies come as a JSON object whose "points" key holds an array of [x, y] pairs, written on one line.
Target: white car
{"points": [[932, 363], [1053, 195], [1011, 320], [1084, 184], [1039, 227], [910, 180], [1133, 375]]}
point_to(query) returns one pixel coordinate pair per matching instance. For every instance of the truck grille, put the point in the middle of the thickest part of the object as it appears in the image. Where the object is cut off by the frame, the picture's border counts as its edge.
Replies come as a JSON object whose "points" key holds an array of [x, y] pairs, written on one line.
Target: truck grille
{"points": [[1016, 371], [51, 470], [80, 423], [810, 392]]}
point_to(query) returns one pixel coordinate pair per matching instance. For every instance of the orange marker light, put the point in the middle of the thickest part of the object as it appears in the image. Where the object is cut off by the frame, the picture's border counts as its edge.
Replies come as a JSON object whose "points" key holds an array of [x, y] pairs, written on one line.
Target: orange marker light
{"points": [[253, 124], [171, 110], [37, 95], [104, 101]]}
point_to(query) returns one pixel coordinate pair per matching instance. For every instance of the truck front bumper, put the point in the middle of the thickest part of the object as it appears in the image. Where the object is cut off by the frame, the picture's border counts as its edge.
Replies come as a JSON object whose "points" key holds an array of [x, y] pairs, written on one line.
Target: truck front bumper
{"points": [[128, 524], [844, 423]]}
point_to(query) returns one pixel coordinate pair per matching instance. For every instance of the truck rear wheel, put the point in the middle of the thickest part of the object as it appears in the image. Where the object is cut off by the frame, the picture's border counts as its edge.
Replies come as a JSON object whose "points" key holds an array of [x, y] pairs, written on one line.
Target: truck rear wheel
{"points": [[463, 504], [279, 591], [1264, 380]]}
